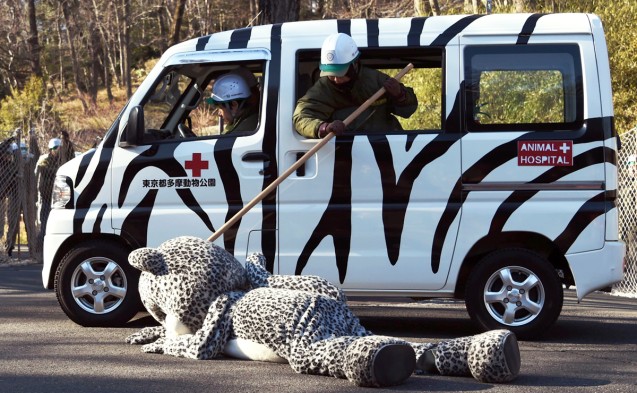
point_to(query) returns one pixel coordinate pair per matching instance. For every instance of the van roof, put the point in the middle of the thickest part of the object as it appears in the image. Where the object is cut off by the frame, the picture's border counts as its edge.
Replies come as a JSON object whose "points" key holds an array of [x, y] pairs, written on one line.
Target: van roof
{"points": [[435, 30]]}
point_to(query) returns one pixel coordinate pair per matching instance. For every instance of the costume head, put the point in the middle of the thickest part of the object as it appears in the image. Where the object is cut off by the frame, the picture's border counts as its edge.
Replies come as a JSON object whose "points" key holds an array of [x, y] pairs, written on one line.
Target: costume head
{"points": [[183, 276]]}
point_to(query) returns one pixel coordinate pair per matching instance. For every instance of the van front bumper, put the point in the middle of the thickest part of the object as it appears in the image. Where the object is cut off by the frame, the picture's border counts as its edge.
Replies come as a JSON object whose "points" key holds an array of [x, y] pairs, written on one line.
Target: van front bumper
{"points": [[52, 243]]}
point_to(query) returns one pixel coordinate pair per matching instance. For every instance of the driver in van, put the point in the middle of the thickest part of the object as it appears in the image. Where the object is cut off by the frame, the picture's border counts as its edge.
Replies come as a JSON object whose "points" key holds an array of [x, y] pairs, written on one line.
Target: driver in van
{"points": [[343, 86], [231, 95]]}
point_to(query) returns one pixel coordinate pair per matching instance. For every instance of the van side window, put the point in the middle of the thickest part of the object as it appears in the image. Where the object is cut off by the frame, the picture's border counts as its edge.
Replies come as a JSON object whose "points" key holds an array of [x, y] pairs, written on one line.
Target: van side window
{"points": [[524, 87], [181, 104], [163, 100], [426, 79]]}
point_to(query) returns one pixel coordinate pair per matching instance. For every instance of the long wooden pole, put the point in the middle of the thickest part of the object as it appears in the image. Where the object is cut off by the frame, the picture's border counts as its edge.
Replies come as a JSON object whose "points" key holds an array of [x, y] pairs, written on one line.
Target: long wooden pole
{"points": [[302, 160]]}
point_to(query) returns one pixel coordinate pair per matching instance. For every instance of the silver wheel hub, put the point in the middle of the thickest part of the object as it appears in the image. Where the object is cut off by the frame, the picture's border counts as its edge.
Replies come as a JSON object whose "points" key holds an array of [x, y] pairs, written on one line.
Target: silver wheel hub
{"points": [[98, 285], [514, 296]]}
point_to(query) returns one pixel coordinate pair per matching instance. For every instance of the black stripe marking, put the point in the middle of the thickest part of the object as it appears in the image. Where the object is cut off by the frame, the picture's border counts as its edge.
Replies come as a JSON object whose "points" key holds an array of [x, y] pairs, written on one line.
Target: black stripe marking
{"points": [[97, 180], [590, 210], [453, 123], [202, 42], [158, 156], [336, 221], [415, 31], [397, 193], [455, 201], [527, 29], [161, 157], [518, 198], [135, 224], [446, 36], [231, 187], [189, 200], [268, 205], [93, 188], [239, 38], [492, 160], [98, 221], [344, 26], [84, 163], [372, 33]]}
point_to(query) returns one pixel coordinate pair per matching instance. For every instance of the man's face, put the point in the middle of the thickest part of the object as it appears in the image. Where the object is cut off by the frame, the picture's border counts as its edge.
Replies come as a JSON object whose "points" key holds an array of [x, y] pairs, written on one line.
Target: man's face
{"points": [[339, 80], [228, 111]]}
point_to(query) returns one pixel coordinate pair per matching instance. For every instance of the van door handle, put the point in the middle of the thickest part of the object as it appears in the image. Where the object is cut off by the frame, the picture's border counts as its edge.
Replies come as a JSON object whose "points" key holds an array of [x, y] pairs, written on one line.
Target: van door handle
{"points": [[256, 156], [259, 156], [300, 171]]}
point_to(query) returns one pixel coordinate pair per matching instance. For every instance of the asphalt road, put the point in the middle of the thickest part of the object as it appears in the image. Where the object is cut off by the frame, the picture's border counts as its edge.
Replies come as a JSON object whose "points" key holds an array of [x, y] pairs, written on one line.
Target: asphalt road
{"points": [[592, 348]]}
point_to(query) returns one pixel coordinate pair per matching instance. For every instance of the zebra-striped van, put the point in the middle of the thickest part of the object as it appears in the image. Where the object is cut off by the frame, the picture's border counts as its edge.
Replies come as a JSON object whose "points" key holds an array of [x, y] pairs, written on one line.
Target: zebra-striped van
{"points": [[500, 189]]}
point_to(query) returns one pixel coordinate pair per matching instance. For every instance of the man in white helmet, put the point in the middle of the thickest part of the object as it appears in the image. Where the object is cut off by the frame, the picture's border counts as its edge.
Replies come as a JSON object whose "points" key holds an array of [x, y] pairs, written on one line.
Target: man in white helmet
{"points": [[345, 85], [231, 95]]}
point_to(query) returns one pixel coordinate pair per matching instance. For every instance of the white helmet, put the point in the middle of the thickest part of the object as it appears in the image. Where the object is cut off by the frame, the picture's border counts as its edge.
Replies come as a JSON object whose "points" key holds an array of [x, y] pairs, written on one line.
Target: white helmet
{"points": [[55, 143], [247, 75], [337, 53], [229, 87]]}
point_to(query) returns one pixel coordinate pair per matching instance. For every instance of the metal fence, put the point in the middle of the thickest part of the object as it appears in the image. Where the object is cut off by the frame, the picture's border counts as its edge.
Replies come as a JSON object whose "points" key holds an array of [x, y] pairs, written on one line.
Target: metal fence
{"points": [[627, 196], [27, 172]]}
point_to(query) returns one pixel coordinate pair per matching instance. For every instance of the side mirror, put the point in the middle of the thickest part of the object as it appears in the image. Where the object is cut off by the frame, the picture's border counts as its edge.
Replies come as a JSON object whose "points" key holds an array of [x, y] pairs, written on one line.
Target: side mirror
{"points": [[135, 128]]}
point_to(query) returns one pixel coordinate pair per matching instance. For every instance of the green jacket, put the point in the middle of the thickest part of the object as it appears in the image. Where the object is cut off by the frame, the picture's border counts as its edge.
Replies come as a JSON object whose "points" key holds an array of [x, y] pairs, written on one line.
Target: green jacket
{"points": [[247, 121], [325, 102]]}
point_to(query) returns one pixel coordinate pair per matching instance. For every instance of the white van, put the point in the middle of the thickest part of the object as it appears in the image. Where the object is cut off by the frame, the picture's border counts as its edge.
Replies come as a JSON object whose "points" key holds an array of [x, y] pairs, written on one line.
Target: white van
{"points": [[500, 190]]}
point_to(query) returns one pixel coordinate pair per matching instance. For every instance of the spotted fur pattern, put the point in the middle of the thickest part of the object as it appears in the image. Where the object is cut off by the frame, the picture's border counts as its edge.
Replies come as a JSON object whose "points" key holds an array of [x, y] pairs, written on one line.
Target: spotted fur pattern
{"points": [[303, 319], [487, 357], [258, 276], [186, 283], [483, 356]]}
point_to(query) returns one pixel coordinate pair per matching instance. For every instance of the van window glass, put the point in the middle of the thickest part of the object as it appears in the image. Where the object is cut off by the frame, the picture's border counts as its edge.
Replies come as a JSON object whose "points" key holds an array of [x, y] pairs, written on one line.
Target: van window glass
{"points": [[426, 80], [181, 104], [163, 99], [523, 87]]}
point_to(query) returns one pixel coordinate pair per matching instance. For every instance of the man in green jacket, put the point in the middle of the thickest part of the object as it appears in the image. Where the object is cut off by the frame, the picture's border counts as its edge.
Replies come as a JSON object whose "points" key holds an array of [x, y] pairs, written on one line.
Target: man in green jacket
{"points": [[344, 85]]}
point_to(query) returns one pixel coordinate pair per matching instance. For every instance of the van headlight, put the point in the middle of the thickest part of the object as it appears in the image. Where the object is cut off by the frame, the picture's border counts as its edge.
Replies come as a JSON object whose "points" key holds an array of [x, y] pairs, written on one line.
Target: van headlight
{"points": [[62, 192]]}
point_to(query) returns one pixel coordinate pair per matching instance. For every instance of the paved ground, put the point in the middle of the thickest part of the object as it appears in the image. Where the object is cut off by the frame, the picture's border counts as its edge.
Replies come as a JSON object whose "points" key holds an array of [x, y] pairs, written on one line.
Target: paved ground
{"points": [[592, 348]]}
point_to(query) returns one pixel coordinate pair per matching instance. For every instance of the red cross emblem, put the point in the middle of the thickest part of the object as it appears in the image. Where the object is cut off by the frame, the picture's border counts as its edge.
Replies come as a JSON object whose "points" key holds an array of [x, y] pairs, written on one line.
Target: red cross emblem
{"points": [[196, 165]]}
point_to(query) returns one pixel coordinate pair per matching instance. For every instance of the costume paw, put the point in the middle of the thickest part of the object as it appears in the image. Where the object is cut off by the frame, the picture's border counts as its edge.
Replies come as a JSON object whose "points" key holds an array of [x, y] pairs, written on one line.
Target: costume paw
{"points": [[379, 361], [156, 347], [494, 356], [491, 357], [146, 335]]}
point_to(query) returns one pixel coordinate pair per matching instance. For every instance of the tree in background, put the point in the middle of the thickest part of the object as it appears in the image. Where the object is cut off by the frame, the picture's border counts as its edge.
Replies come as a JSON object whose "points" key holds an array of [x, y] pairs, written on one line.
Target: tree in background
{"points": [[84, 48], [279, 11]]}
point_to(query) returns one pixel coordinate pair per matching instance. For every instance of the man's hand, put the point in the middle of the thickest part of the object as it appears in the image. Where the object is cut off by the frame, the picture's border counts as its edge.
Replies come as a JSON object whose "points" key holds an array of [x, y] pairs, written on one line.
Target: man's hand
{"points": [[394, 89], [337, 127]]}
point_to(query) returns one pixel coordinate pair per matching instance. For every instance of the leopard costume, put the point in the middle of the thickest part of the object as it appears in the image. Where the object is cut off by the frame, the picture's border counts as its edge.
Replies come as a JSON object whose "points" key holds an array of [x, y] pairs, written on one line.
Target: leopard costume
{"points": [[207, 302]]}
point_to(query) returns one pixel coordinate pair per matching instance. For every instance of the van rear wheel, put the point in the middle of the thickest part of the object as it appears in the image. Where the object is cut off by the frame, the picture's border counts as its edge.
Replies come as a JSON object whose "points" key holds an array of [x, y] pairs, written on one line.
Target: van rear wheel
{"points": [[514, 289], [96, 286]]}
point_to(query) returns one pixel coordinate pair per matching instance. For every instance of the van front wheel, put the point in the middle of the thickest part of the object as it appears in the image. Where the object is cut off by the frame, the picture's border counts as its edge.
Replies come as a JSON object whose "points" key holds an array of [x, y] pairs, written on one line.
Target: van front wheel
{"points": [[514, 289], [96, 286]]}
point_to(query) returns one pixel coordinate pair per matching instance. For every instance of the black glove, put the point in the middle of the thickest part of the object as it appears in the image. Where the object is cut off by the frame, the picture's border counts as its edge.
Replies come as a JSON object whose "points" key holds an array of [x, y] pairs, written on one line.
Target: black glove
{"points": [[337, 127], [395, 90]]}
